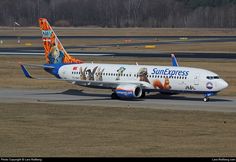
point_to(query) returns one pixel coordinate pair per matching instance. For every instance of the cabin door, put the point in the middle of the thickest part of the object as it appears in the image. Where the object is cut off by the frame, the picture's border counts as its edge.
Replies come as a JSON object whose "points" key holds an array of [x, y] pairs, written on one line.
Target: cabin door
{"points": [[196, 79]]}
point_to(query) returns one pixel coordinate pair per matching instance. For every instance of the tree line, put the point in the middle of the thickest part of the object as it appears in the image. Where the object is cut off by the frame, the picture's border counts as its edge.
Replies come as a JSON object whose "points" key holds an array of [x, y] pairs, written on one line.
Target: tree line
{"points": [[121, 13]]}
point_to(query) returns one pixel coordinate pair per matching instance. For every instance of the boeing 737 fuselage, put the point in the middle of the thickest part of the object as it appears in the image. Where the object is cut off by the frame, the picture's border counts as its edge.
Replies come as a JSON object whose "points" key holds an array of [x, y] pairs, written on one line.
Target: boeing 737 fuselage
{"points": [[126, 81]]}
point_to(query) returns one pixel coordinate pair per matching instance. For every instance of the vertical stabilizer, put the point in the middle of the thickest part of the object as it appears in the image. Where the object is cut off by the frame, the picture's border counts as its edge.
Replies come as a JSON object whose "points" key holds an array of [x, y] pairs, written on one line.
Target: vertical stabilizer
{"points": [[54, 51]]}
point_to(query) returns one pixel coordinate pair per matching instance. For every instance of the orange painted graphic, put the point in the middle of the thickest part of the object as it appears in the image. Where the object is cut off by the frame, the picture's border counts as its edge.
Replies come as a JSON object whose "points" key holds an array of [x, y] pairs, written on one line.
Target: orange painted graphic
{"points": [[165, 85], [54, 51]]}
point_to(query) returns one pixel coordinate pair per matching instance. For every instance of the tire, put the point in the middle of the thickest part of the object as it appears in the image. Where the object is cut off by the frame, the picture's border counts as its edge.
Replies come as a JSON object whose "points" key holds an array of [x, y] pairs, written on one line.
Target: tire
{"points": [[205, 99], [143, 95], [114, 96]]}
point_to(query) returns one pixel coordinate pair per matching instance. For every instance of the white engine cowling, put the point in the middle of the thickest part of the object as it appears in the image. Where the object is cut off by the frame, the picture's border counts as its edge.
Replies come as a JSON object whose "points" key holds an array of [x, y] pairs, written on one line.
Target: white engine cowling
{"points": [[128, 91]]}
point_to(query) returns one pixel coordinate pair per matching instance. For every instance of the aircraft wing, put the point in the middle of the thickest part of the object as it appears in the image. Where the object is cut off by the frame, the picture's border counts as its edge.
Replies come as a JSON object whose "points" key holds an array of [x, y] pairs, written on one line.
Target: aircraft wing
{"points": [[28, 75], [92, 83], [103, 84], [35, 65]]}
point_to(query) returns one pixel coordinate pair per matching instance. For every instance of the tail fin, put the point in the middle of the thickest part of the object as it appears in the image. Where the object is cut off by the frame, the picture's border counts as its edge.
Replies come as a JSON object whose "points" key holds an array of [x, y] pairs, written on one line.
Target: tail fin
{"points": [[54, 51]]}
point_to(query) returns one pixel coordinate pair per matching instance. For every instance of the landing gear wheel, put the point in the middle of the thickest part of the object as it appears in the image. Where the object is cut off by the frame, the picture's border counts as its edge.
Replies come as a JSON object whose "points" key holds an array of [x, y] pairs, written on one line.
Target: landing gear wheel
{"points": [[143, 95], [114, 96], [205, 99]]}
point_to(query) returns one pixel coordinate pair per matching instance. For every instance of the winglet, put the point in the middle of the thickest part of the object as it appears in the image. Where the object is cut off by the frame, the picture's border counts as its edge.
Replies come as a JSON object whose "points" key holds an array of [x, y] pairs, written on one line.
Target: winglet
{"points": [[174, 60], [26, 73]]}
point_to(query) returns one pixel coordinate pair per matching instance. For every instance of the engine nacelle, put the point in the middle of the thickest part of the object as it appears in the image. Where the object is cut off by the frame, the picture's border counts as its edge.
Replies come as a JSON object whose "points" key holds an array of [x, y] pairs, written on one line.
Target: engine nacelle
{"points": [[128, 91]]}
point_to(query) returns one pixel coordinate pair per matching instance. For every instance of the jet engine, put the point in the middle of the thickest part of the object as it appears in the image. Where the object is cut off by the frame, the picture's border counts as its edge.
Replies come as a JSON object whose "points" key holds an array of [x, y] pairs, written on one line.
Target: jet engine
{"points": [[128, 91]]}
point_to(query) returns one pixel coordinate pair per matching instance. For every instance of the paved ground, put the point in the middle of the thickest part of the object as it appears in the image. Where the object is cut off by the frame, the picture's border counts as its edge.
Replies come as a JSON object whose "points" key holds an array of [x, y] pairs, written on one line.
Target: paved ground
{"points": [[94, 125], [76, 97], [196, 55]]}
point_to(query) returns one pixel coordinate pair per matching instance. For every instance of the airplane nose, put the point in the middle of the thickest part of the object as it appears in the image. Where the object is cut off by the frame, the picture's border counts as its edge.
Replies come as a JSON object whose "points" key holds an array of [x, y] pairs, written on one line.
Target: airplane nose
{"points": [[224, 84]]}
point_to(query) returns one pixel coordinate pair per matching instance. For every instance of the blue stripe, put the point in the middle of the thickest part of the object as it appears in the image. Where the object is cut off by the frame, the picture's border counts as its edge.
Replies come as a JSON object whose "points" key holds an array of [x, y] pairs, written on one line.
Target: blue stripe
{"points": [[26, 73], [53, 71], [174, 61]]}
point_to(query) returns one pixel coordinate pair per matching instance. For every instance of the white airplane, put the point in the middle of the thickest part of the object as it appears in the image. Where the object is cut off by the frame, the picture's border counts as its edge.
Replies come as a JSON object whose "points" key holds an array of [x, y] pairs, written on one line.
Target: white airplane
{"points": [[126, 81]]}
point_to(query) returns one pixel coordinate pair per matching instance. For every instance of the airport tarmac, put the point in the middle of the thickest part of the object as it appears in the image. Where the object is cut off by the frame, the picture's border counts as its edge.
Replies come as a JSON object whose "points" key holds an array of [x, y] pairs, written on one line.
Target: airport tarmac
{"points": [[34, 51], [78, 97], [232, 37]]}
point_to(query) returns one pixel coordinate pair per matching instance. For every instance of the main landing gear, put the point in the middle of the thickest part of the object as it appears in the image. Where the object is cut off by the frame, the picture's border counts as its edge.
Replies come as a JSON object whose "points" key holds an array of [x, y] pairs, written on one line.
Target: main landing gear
{"points": [[143, 95], [114, 95]]}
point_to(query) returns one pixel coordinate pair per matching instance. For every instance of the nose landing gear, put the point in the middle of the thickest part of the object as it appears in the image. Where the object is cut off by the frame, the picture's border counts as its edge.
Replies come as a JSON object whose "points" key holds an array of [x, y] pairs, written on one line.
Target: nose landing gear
{"points": [[207, 95], [206, 99]]}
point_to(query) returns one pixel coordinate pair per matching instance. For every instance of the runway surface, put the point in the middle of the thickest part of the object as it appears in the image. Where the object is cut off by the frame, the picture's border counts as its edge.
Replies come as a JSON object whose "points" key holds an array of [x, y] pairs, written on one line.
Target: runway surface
{"points": [[77, 97], [153, 40], [34, 51], [123, 37]]}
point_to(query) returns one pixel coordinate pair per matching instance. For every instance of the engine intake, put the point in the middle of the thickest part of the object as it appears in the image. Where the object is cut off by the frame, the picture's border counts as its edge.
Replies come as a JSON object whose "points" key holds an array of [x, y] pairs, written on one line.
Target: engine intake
{"points": [[128, 91]]}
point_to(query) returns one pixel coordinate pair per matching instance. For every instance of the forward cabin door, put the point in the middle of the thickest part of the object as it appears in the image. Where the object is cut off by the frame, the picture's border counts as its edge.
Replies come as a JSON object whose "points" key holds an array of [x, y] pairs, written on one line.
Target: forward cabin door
{"points": [[196, 79]]}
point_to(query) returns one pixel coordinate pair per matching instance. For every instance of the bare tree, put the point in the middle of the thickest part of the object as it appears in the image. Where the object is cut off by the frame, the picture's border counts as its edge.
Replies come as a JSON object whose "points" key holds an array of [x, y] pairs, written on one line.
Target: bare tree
{"points": [[121, 13]]}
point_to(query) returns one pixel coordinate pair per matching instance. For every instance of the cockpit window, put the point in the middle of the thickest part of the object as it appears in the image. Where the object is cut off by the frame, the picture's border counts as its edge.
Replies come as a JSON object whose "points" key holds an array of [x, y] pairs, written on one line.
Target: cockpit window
{"points": [[212, 77]]}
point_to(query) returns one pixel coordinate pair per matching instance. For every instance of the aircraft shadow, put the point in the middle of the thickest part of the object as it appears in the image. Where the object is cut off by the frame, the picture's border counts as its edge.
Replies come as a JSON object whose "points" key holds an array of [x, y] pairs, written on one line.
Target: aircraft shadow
{"points": [[71, 100], [186, 98], [76, 92]]}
